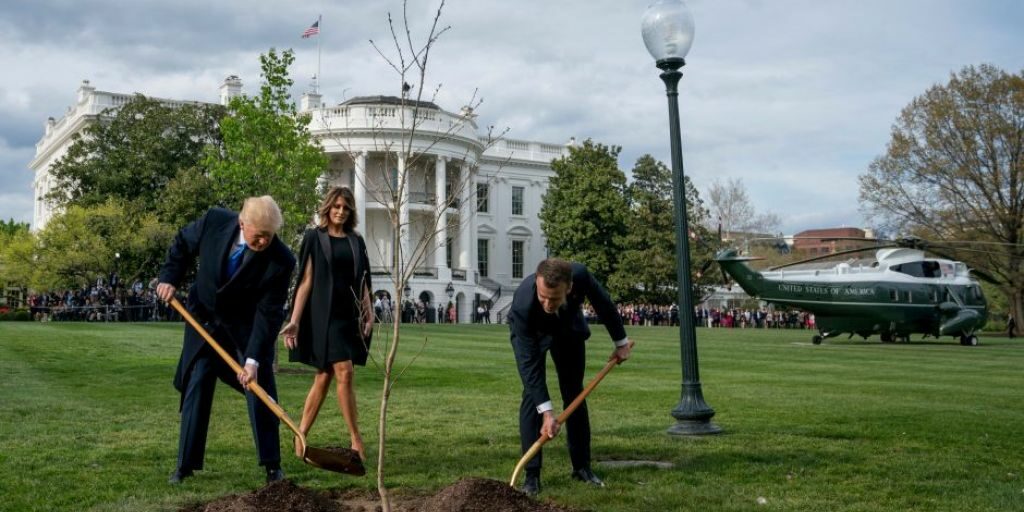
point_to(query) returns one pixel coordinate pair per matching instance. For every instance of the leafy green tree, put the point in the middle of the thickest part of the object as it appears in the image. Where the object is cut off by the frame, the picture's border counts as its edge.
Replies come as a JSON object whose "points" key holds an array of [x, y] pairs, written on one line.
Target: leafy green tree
{"points": [[954, 170], [79, 245], [134, 153], [17, 247], [646, 270], [268, 149], [585, 209], [10, 228]]}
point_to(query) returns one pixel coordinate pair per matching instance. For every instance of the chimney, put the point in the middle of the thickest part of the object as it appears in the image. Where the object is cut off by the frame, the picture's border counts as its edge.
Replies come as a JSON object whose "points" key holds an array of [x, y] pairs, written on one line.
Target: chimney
{"points": [[231, 88], [84, 91], [310, 101]]}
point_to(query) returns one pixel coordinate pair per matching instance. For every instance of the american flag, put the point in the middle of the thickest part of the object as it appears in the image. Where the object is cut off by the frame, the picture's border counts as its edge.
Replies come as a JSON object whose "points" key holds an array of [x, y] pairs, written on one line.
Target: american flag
{"points": [[313, 30]]}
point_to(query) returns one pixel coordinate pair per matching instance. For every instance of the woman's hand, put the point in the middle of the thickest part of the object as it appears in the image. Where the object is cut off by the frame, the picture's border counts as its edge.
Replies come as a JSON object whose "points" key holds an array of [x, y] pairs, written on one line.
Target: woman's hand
{"points": [[291, 334], [368, 328]]}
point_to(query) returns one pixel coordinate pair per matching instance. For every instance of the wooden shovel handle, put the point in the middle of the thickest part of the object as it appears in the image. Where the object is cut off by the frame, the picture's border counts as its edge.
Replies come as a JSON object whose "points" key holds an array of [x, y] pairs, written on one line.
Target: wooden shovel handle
{"points": [[532, 452], [253, 386]]}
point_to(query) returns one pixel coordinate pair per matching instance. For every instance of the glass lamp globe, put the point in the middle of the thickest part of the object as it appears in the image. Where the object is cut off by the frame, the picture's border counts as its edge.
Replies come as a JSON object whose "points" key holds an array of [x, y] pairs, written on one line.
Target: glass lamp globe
{"points": [[667, 28]]}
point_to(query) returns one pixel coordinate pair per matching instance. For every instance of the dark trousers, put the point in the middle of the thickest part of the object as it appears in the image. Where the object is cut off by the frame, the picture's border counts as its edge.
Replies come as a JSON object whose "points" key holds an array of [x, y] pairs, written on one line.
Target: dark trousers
{"points": [[198, 400], [570, 361]]}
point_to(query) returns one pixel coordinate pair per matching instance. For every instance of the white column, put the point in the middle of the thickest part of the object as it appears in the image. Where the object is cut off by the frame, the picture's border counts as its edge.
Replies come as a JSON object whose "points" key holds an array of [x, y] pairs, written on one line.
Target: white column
{"points": [[467, 210], [403, 211], [360, 191], [441, 202]]}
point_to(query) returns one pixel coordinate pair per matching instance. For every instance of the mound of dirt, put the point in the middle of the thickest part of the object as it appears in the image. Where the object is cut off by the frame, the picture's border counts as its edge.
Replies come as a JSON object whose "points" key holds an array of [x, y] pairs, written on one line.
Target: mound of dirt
{"points": [[280, 496], [466, 495], [484, 495]]}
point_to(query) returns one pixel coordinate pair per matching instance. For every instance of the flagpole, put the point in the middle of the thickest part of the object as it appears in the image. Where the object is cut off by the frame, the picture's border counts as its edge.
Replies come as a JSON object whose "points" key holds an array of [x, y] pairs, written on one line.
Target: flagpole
{"points": [[320, 26]]}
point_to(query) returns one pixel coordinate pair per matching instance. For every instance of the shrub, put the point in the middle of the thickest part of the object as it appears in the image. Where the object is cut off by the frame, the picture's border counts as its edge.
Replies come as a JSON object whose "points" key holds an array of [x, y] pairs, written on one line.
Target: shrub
{"points": [[21, 315]]}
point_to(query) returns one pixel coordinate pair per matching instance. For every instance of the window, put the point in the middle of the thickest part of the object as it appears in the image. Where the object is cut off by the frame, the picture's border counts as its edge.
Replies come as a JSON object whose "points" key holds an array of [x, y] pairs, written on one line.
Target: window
{"points": [[483, 205], [481, 256], [517, 258], [517, 200], [448, 251]]}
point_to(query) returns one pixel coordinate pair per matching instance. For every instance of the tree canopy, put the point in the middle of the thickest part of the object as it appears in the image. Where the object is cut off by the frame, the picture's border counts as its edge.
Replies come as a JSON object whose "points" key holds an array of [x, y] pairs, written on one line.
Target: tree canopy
{"points": [[268, 149], [731, 209], [136, 154], [954, 170], [585, 209], [646, 266]]}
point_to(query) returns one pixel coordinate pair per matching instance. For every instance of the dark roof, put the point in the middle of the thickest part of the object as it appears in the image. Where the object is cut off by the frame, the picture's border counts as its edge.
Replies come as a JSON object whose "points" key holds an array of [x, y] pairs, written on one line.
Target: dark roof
{"points": [[388, 100]]}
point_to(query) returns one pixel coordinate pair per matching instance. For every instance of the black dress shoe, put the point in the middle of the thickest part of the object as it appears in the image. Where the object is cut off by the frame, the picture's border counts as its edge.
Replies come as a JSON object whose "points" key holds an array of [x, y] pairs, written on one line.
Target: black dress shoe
{"points": [[274, 475], [532, 485], [179, 475], [585, 475]]}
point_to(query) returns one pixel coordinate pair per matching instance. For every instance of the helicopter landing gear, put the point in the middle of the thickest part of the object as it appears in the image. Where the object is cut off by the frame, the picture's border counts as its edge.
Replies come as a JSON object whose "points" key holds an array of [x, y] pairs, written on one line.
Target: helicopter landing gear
{"points": [[969, 341], [886, 337], [816, 339]]}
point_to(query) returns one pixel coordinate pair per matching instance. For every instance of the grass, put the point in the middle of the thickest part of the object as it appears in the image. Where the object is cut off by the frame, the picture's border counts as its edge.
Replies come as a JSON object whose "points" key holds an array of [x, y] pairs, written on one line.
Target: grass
{"points": [[88, 421]]}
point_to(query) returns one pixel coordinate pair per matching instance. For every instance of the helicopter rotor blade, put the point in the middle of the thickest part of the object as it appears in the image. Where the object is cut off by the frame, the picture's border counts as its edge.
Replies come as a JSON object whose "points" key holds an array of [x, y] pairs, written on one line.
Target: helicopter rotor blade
{"points": [[827, 256]]}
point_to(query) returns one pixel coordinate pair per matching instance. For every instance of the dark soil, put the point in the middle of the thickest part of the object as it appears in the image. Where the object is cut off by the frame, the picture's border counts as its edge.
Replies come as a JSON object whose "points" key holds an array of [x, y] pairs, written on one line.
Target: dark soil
{"points": [[484, 495], [466, 495]]}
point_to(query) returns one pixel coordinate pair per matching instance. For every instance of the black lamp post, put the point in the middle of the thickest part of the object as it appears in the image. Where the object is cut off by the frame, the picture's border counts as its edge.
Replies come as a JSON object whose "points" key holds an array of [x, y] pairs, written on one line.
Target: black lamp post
{"points": [[667, 29]]}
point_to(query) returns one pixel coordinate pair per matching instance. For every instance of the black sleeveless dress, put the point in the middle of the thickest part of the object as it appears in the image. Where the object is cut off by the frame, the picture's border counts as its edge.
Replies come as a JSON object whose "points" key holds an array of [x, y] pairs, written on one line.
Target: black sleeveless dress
{"points": [[343, 341]]}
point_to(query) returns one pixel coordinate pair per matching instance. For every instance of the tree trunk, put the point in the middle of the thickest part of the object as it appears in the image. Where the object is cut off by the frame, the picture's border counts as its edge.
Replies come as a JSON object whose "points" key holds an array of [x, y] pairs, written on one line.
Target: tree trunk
{"points": [[382, 424]]}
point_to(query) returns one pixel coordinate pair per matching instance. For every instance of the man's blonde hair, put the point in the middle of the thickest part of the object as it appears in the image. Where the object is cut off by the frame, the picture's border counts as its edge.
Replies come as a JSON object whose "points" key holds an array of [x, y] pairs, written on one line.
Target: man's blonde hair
{"points": [[262, 213]]}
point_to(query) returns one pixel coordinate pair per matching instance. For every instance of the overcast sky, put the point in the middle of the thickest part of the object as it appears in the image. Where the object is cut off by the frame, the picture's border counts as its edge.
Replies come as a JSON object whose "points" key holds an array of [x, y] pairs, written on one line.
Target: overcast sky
{"points": [[796, 97]]}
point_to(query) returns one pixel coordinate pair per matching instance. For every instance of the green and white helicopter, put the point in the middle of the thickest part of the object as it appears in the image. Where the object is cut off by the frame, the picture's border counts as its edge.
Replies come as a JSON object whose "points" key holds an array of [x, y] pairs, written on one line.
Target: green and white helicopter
{"points": [[900, 292]]}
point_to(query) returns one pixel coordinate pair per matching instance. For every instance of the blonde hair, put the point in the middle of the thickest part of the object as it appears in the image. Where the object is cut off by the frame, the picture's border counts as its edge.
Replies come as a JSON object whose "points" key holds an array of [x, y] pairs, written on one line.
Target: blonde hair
{"points": [[262, 213]]}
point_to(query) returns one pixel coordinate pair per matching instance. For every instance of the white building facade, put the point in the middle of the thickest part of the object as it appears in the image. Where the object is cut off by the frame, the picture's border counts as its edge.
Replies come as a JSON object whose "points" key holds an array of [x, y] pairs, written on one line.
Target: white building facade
{"points": [[469, 208]]}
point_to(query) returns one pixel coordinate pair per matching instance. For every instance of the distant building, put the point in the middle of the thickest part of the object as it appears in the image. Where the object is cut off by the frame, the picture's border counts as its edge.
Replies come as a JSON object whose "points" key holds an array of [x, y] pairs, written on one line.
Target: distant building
{"points": [[487, 240], [831, 240]]}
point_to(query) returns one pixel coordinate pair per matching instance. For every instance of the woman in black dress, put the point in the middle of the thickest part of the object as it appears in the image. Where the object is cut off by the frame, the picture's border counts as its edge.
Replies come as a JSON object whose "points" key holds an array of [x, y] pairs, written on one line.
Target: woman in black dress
{"points": [[332, 317]]}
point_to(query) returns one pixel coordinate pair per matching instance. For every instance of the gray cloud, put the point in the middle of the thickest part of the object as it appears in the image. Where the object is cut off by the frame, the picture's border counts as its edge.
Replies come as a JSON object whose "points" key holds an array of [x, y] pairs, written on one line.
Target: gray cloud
{"points": [[794, 96]]}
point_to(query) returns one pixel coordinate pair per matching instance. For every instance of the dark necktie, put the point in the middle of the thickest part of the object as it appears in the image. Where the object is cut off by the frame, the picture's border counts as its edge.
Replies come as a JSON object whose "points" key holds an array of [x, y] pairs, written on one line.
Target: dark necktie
{"points": [[235, 260]]}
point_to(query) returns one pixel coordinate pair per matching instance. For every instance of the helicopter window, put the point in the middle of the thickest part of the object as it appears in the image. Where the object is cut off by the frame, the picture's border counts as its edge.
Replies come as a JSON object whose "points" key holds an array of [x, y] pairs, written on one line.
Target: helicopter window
{"points": [[893, 295], [910, 297], [919, 269], [935, 295]]}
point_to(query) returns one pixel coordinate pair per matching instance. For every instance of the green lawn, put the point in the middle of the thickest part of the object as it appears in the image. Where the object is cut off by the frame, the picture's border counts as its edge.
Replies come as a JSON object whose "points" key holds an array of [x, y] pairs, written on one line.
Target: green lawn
{"points": [[88, 421]]}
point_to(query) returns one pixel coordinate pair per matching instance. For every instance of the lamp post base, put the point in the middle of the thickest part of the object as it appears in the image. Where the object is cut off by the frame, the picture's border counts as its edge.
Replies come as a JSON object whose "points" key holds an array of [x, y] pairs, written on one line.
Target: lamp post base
{"points": [[694, 428], [692, 414]]}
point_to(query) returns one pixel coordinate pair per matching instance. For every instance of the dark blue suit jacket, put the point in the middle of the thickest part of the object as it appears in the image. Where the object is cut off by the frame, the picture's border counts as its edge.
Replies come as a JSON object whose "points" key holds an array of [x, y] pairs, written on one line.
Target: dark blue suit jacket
{"points": [[533, 330], [244, 313]]}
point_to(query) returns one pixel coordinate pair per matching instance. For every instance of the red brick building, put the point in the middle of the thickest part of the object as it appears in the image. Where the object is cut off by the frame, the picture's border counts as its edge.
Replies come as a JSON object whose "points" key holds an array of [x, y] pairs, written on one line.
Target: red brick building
{"points": [[827, 241]]}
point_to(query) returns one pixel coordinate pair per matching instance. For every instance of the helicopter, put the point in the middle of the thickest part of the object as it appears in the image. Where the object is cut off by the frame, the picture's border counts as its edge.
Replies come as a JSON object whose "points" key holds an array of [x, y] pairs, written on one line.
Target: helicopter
{"points": [[901, 291]]}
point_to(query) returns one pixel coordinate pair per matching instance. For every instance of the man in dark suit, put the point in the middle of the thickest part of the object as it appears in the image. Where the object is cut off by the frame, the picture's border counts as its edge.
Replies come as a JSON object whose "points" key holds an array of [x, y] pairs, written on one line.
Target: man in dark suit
{"points": [[545, 316], [238, 295]]}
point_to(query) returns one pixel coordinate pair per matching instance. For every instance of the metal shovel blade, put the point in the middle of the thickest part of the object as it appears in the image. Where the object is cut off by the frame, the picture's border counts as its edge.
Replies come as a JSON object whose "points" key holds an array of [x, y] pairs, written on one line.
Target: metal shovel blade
{"points": [[339, 460]]}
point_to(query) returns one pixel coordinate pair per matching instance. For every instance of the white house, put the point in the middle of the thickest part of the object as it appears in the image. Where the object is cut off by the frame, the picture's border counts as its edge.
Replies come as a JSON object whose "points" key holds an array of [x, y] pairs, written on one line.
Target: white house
{"points": [[474, 202]]}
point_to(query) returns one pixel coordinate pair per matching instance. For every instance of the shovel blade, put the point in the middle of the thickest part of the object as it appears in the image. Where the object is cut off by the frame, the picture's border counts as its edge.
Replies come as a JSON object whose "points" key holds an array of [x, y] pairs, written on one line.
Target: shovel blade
{"points": [[339, 460]]}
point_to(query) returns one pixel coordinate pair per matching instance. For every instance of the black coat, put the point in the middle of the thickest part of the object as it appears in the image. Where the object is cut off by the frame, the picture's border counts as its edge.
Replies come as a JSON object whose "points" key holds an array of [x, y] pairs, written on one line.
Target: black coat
{"points": [[533, 330], [245, 313], [313, 326]]}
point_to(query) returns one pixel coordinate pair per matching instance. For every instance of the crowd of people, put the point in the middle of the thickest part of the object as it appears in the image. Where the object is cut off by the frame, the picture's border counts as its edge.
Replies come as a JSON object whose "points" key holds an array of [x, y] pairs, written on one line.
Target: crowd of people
{"points": [[105, 300], [754, 318]]}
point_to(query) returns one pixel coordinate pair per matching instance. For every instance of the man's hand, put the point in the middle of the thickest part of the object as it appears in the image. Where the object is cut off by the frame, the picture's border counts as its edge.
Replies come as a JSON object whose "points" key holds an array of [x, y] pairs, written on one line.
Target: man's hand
{"points": [[550, 427], [291, 335], [368, 328], [622, 353], [247, 374], [165, 291]]}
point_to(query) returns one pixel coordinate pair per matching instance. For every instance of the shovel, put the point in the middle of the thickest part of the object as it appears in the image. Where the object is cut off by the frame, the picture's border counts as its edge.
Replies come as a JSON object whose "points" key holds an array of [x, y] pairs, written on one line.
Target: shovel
{"points": [[532, 452], [340, 460]]}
